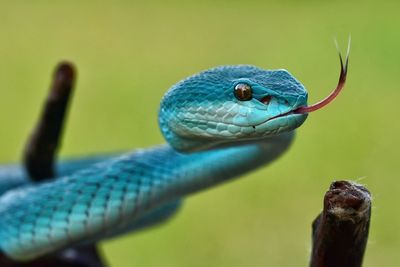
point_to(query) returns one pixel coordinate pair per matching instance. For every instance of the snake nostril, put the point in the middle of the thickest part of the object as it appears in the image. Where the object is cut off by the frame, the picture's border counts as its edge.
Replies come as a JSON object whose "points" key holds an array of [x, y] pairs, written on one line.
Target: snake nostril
{"points": [[266, 99]]}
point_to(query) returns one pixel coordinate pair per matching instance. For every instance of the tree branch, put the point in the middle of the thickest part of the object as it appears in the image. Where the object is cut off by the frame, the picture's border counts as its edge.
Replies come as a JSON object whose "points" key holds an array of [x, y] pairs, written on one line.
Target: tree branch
{"points": [[340, 232], [41, 149]]}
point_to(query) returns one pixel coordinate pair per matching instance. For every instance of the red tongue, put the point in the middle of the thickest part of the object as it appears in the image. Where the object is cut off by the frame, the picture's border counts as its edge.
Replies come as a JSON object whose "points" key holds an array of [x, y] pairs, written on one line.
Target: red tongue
{"points": [[339, 87]]}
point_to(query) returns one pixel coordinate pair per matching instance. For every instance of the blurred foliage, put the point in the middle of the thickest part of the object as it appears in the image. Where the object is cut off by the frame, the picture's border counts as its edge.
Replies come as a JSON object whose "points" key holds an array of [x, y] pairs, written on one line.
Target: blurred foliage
{"points": [[129, 53]]}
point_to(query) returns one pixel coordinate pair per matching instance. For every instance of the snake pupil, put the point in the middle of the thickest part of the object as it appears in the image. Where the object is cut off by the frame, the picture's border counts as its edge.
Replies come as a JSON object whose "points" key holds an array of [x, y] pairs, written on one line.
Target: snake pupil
{"points": [[243, 92]]}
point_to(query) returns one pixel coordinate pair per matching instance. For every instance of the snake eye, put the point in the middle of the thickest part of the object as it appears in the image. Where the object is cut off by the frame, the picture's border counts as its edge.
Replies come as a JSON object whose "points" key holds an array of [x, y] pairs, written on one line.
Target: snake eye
{"points": [[243, 92]]}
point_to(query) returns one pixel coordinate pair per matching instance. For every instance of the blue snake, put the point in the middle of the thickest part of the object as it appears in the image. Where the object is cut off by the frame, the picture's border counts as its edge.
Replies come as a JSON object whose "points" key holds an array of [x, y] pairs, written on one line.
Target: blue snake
{"points": [[218, 124]]}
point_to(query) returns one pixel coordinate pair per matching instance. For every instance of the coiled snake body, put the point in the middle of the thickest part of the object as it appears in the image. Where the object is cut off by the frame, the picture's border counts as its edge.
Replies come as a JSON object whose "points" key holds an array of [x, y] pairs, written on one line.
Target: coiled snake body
{"points": [[219, 124]]}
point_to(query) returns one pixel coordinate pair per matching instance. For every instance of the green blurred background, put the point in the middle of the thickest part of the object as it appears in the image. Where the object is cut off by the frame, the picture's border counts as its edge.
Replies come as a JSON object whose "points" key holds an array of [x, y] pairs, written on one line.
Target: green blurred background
{"points": [[129, 53]]}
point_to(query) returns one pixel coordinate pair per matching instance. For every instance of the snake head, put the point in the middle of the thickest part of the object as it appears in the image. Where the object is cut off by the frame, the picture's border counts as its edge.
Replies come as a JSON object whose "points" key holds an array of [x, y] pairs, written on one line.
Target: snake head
{"points": [[231, 104]]}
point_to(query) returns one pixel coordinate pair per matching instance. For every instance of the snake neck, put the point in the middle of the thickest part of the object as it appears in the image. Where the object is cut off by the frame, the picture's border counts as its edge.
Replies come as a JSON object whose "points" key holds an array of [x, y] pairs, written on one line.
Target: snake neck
{"points": [[208, 168]]}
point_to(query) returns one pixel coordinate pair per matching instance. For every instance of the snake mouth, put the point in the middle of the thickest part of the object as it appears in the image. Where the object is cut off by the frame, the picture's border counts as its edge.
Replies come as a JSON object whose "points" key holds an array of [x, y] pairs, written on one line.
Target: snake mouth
{"points": [[280, 123], [282, 115]]}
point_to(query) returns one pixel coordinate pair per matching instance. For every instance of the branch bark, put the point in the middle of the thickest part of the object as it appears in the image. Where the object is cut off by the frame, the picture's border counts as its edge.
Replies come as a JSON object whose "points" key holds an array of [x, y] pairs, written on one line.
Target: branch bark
{"points": [[83, 256], [41, 149], [340, 232]]}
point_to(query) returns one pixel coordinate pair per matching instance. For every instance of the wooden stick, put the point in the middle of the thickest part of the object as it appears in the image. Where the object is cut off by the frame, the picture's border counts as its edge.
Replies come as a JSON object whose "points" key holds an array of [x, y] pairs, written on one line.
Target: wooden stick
{"points": [[83, 256], [340, 232], [41, 149]]}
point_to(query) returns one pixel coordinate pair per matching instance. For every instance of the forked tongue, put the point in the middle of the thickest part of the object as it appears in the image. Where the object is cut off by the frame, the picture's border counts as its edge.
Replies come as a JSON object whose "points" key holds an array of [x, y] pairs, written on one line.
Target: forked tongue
{"points": [[335, 92]]}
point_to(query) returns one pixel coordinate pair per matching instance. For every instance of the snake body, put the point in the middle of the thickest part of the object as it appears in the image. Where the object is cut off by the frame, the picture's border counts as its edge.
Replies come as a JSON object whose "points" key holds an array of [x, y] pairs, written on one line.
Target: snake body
{"points": [[213, 136]]}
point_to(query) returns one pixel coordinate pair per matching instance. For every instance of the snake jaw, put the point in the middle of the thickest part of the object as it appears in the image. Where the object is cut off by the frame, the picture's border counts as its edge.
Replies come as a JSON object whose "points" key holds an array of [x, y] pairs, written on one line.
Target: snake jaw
{"points": [[276, 126]]}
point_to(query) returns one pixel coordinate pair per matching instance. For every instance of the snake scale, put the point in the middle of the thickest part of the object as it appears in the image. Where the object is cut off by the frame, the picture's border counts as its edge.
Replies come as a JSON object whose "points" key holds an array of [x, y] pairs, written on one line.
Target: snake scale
{"points": [[219, 124]]}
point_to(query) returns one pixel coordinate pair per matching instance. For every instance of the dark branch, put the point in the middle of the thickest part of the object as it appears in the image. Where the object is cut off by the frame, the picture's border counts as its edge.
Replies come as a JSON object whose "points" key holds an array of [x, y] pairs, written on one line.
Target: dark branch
{"points": [[41, 149], [340, 232], [83, 256]]}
